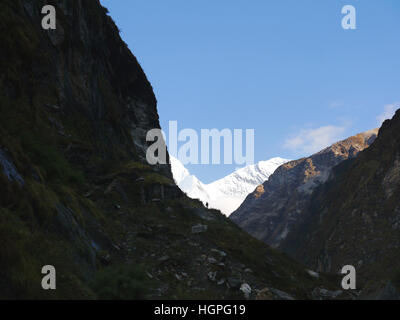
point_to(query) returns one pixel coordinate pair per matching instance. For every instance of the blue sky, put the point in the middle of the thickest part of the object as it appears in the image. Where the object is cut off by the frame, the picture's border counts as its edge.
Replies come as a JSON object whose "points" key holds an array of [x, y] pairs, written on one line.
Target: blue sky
{"points": [[286, 68]]}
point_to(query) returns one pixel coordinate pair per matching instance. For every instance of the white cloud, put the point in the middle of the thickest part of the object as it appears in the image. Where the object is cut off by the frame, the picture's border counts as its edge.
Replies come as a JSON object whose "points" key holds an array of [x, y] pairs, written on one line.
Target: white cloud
{"points": [[309, 141], [388, 112], [336, 104]]}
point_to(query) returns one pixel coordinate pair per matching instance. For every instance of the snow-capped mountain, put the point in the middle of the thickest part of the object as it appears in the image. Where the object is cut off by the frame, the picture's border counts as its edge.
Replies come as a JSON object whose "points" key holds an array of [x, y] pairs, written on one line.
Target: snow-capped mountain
{"points": [[188, 183], [228, 193]]}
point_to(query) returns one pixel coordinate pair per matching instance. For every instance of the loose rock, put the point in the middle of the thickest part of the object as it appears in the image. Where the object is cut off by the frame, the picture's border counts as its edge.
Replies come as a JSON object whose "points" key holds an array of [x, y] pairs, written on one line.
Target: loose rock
{"points": [[246, 289], [199, 228]]}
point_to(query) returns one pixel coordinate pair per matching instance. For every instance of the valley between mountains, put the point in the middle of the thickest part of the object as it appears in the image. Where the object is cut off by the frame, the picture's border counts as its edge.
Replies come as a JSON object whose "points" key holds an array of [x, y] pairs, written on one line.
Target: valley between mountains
{"points": [[334, 208]]}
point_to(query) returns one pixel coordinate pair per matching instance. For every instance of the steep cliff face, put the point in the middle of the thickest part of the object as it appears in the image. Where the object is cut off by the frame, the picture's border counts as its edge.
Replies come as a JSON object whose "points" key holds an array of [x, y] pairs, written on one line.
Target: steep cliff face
{"points": [[82, 72], [354, 218], [76, 191], [273, 209], [75, 106]]}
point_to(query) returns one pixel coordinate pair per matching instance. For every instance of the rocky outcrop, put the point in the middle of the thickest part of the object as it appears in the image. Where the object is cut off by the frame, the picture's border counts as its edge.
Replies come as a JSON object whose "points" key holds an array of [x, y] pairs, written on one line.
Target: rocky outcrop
{"points": [[273, 209], [9, 169]]}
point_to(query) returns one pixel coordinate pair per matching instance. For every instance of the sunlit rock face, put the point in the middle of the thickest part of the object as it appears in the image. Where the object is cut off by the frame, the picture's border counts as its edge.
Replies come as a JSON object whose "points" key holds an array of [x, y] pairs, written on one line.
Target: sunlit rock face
{"points": [[271, 211]]}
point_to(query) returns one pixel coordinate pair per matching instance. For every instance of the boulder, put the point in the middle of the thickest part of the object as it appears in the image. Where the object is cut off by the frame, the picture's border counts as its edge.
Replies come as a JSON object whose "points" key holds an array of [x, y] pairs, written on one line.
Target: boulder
{"points": [[199, 228], [313, 274], [281, 294], [246, 289], [219, 252]]}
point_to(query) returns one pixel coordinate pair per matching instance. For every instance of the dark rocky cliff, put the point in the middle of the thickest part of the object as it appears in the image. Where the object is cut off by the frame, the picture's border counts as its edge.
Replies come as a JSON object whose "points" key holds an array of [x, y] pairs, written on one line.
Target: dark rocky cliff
{"points": [[273, 209], [77, 193]]}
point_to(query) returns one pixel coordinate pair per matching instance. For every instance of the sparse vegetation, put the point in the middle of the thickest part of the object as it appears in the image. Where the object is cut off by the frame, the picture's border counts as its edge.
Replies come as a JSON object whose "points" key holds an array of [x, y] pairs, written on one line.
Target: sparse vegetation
{"points": [[121, 283]]}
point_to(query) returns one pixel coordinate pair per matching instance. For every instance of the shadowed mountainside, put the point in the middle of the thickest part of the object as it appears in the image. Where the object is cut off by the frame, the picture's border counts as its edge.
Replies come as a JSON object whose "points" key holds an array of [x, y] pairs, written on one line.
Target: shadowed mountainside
{"points": [[77, 193], [354, 218], [274, 208]]}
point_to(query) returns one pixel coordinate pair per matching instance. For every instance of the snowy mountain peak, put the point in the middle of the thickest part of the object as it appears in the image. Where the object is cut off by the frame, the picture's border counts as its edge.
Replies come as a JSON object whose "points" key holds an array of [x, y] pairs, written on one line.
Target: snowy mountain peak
{"points": [[178, 170], [228, 193]]}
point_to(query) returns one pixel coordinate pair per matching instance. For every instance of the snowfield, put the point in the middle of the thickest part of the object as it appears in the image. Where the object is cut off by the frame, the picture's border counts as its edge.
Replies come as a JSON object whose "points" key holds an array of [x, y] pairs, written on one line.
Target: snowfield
{"points": [[228, 193]]}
